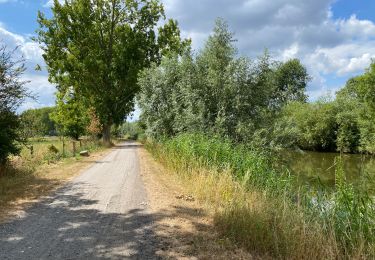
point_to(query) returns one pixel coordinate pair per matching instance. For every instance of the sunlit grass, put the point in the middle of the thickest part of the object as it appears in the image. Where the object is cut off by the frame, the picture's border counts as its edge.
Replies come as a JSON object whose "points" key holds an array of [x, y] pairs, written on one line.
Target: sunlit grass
{"points": [[30, 175], [265, 209]]}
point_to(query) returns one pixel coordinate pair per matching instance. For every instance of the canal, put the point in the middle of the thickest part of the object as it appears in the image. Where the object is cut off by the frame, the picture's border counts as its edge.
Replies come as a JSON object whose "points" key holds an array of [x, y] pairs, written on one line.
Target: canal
{"points": [[319, 168]]}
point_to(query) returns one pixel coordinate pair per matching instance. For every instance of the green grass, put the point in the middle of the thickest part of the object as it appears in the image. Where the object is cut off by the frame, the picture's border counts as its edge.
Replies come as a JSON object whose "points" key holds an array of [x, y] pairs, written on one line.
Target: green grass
{"points": [[50, 150], [30, 175], [265, 209]]}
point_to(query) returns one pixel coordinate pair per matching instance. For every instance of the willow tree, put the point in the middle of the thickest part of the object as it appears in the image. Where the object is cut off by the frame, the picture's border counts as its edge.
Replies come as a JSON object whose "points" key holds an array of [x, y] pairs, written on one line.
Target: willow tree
{"points": [[97, 47]]}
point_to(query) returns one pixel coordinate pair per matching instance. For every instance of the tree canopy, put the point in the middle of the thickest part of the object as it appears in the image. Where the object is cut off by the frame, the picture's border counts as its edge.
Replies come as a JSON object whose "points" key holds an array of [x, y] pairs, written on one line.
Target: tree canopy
{"points": [[12, 93], [70, 115], [37, 122], [97, 48], [217, 91]]}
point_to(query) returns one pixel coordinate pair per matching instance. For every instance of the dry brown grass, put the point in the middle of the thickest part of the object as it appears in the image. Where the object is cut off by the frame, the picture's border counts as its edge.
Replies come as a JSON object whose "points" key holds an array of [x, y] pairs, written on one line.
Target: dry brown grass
{"points": [[23, 185], [247, 217], [184, 225], [267, 227]]}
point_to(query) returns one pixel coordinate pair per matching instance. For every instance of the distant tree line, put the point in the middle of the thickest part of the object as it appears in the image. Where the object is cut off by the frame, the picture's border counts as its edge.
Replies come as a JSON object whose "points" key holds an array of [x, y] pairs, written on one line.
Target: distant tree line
{"points": [[38, 122], [63, 120], [261, 102]]}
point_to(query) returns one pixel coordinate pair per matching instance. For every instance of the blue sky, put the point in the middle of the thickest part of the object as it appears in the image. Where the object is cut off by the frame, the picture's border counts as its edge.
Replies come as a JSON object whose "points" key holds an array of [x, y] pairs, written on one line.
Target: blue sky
{"points": [[364, 9], [335, 39]]}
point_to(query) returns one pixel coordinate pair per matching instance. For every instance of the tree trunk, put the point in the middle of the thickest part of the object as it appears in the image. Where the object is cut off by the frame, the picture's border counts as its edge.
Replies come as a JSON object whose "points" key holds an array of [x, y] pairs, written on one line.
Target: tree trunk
{"points": [[107, 134]]}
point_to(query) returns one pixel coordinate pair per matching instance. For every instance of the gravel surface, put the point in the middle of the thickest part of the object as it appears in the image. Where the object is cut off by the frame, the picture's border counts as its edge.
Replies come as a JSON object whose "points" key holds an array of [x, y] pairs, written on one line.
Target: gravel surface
{"points": [[101, 214]]}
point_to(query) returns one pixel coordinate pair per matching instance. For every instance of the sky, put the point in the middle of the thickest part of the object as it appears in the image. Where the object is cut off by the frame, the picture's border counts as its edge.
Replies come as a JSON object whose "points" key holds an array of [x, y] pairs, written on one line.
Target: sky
{"points": [[334, 39]]}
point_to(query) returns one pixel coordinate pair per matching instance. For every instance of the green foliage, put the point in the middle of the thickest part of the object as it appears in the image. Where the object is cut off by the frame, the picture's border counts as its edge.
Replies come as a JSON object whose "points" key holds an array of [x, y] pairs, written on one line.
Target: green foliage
{"points": [[324, 125], [360, 103], [291, 81], [37, 122], [353, 213], [97, 48], [312, 126], [70, 115], [131, 130], [53, 149], [12, 93], [348, 134], [52, 154], [221, 112], [217, 92], [9, 124], [345, 124], [262, 102], [250, 166], [346, 215]]}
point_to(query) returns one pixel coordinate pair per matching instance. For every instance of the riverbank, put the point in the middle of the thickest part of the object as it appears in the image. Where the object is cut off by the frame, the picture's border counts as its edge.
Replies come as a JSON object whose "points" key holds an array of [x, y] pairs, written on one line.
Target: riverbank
{"points": [[263, 209], [185, 227]]}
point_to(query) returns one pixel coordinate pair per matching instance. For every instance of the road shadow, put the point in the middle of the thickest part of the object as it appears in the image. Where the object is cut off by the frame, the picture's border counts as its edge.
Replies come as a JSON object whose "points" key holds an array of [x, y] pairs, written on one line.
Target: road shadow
{"points": [[68, 226]]}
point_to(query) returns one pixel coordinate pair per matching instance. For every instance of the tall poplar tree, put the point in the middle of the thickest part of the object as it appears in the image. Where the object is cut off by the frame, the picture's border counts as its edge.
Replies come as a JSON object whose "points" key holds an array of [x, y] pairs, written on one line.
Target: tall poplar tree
{"points": [[97, 47]]}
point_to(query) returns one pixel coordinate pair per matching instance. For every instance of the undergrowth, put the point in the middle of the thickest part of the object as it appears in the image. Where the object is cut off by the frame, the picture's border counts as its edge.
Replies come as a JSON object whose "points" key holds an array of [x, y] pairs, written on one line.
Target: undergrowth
{"points": [[265, 209], [23, 176]]}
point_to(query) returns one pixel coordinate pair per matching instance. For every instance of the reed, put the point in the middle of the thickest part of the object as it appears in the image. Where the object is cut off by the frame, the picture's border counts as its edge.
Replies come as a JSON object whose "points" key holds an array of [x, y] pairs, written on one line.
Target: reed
{"points": [[264, 209]]}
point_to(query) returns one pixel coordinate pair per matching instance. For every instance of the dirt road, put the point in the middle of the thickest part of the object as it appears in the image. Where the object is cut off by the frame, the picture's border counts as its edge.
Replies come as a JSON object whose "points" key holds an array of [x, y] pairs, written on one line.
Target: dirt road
{"points": [[101, 214]]}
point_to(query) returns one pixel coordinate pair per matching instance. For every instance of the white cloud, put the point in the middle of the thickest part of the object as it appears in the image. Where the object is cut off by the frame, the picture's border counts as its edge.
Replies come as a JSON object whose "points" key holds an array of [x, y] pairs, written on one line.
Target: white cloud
{"points": [[50, 3], [289, 29], [345, 59], [353, 27], [32, 53], [39, 84], [290, 52]]}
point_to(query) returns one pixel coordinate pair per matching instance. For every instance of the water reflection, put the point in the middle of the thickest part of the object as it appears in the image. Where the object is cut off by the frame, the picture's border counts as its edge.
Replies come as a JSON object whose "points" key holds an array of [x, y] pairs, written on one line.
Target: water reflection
{"points": [[317, 167]]}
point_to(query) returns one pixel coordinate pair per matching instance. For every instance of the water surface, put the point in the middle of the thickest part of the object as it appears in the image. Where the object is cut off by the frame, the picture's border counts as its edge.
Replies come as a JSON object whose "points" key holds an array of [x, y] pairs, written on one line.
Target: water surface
{"points": [[319, 168]]}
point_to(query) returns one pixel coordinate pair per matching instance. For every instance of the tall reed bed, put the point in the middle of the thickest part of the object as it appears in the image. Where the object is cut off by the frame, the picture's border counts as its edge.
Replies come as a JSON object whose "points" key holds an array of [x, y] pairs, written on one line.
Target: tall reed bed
{"points": [[264, 208]]}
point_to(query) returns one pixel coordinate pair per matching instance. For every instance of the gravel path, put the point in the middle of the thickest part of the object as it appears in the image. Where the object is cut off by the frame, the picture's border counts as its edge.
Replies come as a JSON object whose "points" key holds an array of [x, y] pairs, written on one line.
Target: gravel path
{"points": [[101, 214]]}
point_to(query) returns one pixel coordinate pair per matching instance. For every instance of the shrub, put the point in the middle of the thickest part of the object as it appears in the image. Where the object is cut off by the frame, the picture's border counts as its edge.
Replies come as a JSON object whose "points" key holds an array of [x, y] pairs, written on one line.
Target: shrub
{"points": [[53, 149], [12, 93]]}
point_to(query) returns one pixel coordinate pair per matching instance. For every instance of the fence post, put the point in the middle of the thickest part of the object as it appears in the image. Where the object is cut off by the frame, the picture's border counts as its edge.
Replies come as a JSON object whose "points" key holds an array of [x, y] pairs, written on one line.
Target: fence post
{"points": [[63, 148], [32, 150], [80, 144], [74, 148]]}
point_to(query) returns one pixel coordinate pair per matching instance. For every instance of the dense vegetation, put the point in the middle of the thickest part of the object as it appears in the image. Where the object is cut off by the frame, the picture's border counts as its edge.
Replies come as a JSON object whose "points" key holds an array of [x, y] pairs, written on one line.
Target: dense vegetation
{"points": [[12, 93], [264, 208], [38, 122], [130, 130], [217, 92], [65, 120], [214, 114], [217, 114], [344, 124], [262, 102], [95, 49]]}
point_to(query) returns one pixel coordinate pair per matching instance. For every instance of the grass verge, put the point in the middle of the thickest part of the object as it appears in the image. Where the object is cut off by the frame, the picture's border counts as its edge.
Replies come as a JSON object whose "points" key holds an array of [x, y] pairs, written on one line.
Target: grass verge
{"points": [[264, 209], [26, 177]]}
